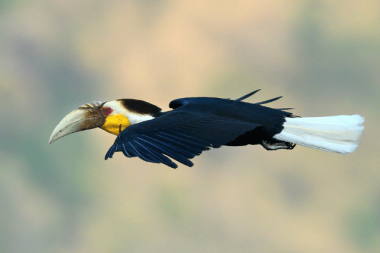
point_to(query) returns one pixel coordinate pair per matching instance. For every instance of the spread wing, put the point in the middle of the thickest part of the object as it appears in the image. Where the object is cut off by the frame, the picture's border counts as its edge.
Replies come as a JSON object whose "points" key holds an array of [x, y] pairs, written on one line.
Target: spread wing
{"points": [[180, 134]]}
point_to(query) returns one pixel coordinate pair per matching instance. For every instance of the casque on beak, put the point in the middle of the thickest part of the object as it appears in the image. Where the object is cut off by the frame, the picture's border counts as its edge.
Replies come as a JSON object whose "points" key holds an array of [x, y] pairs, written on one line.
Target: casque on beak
{"points": [[86, 117]]}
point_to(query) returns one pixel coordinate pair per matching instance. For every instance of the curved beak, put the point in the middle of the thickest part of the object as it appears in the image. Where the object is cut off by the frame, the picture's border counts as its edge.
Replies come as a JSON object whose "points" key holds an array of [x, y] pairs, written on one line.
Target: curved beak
{"points": [[86, 117]]}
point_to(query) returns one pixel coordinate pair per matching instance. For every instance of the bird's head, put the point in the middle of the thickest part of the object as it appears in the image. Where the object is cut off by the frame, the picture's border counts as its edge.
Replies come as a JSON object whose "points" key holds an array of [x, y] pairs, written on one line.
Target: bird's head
{"points": [[112, 116]]}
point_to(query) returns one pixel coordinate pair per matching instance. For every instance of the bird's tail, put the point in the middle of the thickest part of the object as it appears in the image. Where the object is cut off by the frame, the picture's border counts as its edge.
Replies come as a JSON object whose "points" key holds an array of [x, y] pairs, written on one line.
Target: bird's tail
{"points": [[338, 134]]}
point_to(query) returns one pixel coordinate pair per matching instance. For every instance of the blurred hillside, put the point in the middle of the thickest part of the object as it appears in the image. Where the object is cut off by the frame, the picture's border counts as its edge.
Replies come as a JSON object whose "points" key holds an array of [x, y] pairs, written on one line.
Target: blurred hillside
{"points": [[322, 56]]}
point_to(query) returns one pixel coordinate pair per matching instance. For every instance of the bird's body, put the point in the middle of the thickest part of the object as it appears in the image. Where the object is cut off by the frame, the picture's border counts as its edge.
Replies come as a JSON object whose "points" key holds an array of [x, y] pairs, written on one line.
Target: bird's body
{"points": [[200, 123]]}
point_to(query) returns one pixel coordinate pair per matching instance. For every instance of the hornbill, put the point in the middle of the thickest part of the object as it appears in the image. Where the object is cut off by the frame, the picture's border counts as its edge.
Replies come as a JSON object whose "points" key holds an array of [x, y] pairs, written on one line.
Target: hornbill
{"points": [[197, 124]]}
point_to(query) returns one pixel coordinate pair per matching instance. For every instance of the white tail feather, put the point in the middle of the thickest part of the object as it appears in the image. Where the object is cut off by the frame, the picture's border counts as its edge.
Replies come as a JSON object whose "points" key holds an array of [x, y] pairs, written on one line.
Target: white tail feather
{"points": [[338, 134]]}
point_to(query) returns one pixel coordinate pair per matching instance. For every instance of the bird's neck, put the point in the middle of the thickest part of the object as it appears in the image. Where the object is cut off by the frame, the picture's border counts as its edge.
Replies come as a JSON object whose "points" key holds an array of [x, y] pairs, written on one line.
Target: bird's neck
{"points": [[115, 124]]}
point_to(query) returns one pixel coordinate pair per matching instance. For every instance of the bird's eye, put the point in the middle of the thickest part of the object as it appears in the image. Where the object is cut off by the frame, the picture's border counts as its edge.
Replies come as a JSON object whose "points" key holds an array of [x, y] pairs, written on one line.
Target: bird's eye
{"points": [[106, 111]]}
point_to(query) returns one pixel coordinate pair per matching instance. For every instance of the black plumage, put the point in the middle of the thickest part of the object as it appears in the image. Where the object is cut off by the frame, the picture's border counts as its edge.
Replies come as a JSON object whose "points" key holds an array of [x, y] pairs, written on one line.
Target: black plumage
{"points": [[198, 124], [140, 106]]}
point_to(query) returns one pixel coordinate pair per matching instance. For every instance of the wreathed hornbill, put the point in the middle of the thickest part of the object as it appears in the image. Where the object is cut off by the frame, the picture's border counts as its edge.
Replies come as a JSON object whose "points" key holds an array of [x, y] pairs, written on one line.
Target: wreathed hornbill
{"points": [[199, 123]]}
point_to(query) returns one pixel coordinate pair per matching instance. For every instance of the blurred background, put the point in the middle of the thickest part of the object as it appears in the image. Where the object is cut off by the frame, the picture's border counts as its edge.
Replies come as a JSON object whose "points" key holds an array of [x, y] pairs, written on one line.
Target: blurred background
{"points": [[322, 56]]}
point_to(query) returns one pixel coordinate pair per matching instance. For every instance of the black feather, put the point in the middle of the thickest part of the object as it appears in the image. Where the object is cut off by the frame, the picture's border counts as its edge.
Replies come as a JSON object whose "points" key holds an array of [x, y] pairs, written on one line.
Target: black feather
{"points": [[268, 101], [248, 95]]}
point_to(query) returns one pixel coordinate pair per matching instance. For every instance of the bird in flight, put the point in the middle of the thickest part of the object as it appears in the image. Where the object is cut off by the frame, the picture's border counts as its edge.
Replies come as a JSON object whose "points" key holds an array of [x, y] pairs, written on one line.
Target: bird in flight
{"points": [[197, 124]]}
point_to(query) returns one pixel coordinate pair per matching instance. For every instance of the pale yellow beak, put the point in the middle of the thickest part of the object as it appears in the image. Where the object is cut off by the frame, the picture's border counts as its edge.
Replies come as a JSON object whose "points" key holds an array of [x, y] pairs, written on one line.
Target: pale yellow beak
{"points": [[86, 117]]}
